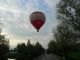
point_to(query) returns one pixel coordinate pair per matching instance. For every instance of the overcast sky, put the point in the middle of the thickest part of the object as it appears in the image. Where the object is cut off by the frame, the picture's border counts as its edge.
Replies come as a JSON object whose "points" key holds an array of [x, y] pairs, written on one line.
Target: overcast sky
{"points": [[15, 15]]}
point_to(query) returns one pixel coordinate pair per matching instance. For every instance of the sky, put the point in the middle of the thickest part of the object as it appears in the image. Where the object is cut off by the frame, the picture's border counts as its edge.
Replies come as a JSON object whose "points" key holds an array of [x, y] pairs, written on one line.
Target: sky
{"points": [[15, 14]]}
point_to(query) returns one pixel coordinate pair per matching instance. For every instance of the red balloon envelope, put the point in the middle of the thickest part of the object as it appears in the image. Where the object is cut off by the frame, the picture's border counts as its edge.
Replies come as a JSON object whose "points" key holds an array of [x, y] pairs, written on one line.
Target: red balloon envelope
{"points": [[37, 19]]}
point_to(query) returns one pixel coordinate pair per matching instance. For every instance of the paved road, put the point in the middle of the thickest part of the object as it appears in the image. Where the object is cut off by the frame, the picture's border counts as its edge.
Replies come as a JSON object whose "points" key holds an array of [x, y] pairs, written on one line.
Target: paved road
{"points": [[47, 57]]}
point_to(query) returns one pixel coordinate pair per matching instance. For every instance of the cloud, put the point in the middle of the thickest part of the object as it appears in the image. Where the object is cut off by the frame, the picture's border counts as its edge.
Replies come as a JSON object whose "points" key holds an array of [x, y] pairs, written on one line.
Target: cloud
{"points": [[13, 43], [9, 9], [52, 4], [15, 16]]}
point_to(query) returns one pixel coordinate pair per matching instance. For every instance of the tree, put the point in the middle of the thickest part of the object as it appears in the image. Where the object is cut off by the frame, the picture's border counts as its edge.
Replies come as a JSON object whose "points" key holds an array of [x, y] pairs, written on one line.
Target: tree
{"points": [[39, 50], [21, 48], [33, 51], [68, 11], [29, 51], [52, 47], [64, 41], [4, 45], [4, 48], [67, 34]]}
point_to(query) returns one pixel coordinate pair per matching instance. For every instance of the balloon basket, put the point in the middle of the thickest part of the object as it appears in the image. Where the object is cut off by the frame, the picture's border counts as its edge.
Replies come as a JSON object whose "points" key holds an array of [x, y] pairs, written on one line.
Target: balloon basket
{"points": [[37, 30]]}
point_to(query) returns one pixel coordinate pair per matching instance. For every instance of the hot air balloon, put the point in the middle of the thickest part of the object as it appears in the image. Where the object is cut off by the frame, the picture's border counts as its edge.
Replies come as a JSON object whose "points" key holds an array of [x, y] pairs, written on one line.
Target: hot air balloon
{"points": [[37, 19]]}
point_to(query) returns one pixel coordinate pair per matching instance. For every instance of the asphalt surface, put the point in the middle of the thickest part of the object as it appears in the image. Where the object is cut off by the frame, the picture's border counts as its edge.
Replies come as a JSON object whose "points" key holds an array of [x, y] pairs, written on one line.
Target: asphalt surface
{"points": [[47, 57]]}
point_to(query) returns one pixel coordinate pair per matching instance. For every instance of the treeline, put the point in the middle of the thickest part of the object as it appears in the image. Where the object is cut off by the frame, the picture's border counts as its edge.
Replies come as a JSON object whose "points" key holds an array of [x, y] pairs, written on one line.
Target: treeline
{"points": [[21, 52], [29, 51]]}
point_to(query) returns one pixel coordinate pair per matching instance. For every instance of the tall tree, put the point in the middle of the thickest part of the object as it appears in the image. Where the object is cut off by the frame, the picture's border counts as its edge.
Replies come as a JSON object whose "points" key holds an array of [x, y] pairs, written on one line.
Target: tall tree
{"points": [[67, 34], [4, 45], [21, 48], [68, 11], [65, 39], [39, 50], [30, 50], [68, 31], [4, 48]]}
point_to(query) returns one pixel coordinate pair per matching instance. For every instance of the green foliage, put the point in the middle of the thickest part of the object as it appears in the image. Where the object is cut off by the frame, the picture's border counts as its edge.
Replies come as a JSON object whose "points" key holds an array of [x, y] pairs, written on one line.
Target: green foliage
{"points": [[67, 34], [52, 46], [4, 48], [29, 51], [68, 11], [38, 49], [21, 48]]}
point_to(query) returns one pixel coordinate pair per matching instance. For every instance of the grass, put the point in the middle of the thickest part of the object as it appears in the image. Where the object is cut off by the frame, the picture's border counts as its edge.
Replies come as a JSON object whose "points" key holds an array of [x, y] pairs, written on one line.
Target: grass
{"points": [[72, 56]]}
